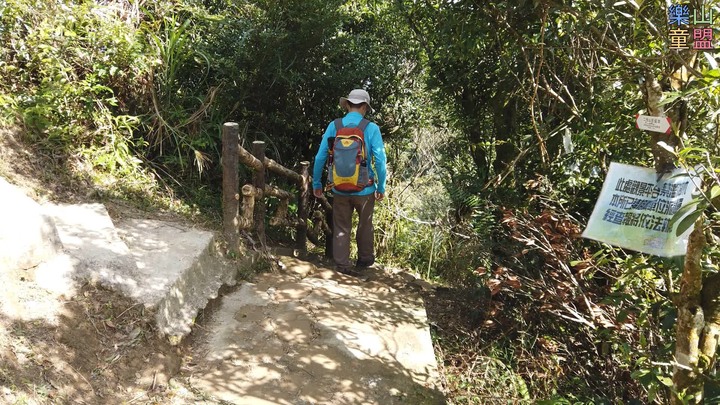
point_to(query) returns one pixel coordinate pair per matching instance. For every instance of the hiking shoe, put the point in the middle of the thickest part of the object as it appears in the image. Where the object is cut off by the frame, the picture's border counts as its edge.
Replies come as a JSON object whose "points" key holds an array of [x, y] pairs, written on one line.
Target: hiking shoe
{"points": [[347, 270], [352, 273], [362, 264]]}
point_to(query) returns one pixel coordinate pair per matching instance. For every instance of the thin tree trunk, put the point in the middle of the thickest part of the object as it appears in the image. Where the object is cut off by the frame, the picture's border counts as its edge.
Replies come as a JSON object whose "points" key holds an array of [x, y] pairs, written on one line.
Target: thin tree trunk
{"points": [[696, 333], [690, 322], [711, 332]]}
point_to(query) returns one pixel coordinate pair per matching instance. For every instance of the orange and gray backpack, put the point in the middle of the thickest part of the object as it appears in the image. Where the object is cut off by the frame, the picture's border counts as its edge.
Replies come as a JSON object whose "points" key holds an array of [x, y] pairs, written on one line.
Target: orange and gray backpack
{"points": [[347, 161]]}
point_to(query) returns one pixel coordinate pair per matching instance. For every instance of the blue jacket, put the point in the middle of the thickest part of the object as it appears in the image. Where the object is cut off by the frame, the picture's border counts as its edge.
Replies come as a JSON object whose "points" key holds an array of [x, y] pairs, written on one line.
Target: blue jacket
{"points": [[375, 151]]}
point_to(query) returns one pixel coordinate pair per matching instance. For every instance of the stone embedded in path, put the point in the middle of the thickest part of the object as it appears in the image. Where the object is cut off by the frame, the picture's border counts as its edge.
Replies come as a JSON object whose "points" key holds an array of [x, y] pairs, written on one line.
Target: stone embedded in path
{"points": [[319, 340]]}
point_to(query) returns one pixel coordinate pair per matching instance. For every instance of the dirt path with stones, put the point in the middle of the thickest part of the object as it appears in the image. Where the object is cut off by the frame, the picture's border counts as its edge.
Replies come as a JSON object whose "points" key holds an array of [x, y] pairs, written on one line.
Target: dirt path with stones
{"points": [[309, 335]]}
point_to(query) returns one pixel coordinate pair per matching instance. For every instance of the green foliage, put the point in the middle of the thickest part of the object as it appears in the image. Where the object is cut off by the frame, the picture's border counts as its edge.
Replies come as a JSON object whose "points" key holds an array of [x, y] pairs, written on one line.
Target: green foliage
{"points": [[63, 67], [640, 300], [171, 117], [156, 83], [493, 113], [525, 80]]}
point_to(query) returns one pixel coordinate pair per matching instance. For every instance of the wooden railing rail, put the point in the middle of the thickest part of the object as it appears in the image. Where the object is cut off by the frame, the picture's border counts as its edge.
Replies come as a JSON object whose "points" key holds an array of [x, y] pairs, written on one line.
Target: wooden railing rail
{"points": [[251, 216]]}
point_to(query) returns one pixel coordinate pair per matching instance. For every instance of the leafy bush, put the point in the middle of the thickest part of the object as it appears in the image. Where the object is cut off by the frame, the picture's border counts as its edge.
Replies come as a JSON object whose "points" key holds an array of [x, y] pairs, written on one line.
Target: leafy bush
{"points": [[63, 67]]}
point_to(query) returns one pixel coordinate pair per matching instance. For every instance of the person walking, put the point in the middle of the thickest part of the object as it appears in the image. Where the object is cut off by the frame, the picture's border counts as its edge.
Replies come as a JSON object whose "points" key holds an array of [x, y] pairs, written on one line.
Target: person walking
{"points": [[354, 150]]}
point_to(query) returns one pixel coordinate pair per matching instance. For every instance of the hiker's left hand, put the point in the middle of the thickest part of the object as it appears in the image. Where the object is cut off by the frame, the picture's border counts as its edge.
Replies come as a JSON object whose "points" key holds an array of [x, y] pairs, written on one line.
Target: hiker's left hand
{"points": [[379, 196], [318, 192]]}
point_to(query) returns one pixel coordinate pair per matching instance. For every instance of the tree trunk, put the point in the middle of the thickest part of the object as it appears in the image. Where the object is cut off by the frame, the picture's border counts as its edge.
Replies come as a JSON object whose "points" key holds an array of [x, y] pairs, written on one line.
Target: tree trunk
{"points": [[475, 135], [697, 328], [690, 322], [710, 338], [664, 160], [504, 128]]}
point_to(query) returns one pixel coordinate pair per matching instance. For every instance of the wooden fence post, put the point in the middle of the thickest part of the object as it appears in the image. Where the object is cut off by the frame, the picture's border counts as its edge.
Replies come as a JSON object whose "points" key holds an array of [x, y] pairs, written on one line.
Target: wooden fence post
{"points": [[303, 204], [231, 185], [258, 150]]}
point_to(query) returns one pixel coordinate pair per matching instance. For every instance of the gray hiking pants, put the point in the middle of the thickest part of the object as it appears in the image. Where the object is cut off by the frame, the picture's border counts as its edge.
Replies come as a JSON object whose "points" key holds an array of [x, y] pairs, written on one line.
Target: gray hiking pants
{"points": [[343, 207]]}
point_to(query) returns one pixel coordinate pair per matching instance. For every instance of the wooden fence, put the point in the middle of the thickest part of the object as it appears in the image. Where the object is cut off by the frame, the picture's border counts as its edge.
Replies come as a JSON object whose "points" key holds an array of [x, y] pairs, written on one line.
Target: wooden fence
{"points": [[251, 215]]}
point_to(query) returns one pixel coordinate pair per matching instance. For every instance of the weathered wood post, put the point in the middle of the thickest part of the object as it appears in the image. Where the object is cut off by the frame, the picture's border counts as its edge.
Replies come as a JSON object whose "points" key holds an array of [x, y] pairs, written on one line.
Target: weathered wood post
{"points": [[246, 219], [303, 204], [258, 150], [231, 194]]}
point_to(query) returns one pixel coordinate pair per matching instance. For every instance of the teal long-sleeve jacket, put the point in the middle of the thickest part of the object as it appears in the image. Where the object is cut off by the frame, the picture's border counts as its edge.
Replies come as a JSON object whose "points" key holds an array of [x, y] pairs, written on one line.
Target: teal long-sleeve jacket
{"points": [[375, 152]]}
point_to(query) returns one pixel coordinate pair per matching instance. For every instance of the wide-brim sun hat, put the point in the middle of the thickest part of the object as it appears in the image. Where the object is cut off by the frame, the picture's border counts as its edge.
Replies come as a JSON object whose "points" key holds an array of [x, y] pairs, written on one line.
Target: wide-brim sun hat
{"points": [[357, 96]]}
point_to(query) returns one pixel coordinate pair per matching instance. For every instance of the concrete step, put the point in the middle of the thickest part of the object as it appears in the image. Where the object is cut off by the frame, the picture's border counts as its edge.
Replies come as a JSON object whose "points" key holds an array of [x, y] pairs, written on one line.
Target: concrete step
{"points": [[170, 268], [179, 270], [97, 253]]}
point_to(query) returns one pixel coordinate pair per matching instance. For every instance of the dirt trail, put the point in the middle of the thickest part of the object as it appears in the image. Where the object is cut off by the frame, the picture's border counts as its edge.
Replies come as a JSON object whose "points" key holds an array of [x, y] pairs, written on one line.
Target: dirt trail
{"points": [[310, 335], [304, 335]]}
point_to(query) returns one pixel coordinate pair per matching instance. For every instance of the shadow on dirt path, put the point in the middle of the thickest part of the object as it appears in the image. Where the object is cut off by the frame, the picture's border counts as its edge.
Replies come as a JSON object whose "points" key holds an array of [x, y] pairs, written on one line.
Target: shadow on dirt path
{"points": [[100, 348], [318, 338]]}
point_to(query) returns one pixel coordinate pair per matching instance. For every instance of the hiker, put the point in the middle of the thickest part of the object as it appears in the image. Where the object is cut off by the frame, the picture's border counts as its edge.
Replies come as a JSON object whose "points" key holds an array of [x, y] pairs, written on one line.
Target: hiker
{"points": [[353, 148]]}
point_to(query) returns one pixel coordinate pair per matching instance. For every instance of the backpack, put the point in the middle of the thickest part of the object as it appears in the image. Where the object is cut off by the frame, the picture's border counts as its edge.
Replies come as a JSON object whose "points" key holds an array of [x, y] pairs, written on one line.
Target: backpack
{"points": [[347, 162]]}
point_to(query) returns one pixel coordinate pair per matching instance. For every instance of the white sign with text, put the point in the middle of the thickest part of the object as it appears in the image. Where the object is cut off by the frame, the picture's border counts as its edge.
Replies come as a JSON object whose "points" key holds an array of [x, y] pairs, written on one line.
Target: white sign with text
{"points": [[654, 124], [634, 210]]}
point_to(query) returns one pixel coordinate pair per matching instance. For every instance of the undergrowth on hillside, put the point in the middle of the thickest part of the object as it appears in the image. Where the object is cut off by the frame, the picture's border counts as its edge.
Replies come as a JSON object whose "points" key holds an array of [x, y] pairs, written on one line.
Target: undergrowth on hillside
{"points": [[549, 323], [78, 83]]}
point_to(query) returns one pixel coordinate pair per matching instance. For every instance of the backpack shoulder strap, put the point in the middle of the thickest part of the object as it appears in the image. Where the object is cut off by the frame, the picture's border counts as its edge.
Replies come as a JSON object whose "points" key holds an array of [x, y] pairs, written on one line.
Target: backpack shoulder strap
{"points": [[338, 124], [363, 124]]}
